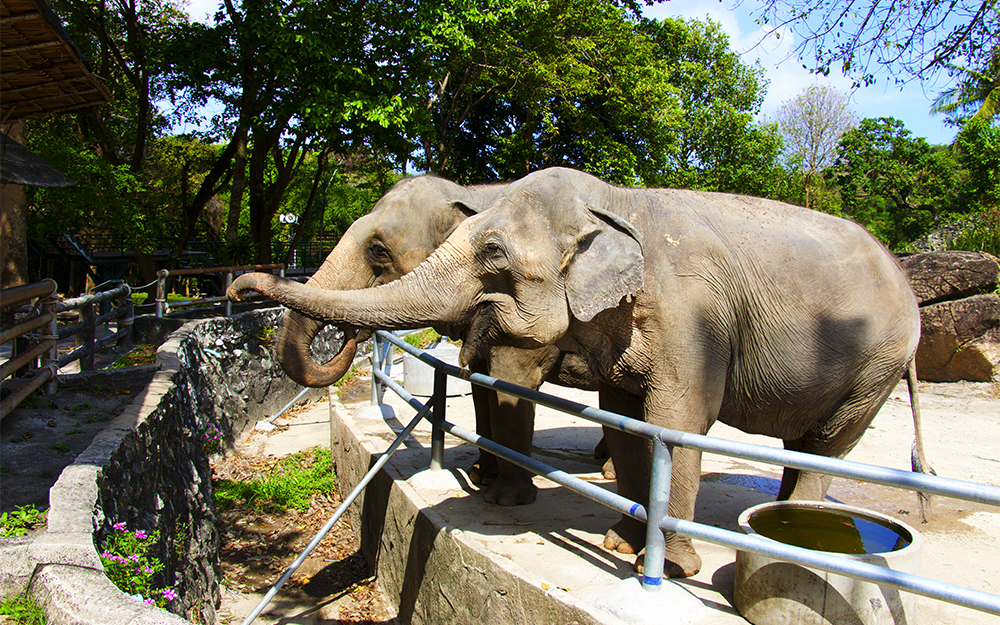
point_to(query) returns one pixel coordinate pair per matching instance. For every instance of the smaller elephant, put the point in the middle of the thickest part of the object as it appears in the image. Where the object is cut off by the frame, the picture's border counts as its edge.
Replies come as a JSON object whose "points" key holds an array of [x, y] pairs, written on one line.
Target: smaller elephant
{"points": [[405, 226], [688, 307]]}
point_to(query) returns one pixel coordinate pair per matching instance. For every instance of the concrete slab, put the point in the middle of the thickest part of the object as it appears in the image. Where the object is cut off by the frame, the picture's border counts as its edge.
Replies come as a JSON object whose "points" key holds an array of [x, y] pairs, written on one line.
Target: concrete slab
{"points": [[554, 544]]}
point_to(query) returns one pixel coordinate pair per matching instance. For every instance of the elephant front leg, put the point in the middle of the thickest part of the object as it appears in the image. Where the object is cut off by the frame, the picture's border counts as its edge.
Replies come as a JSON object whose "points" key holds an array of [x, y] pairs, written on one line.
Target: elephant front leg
{"points": [[513, 426], [633, 460], [485, 470]]}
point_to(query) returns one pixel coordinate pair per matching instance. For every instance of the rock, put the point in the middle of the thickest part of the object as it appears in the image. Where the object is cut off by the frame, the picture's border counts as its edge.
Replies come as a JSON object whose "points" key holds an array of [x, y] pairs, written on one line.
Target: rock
{"points": [[942, 276], [960, 340]]}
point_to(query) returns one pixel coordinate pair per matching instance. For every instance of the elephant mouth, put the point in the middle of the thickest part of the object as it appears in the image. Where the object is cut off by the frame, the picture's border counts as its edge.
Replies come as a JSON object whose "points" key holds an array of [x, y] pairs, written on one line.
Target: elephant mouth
{"points": [[478, 334]]}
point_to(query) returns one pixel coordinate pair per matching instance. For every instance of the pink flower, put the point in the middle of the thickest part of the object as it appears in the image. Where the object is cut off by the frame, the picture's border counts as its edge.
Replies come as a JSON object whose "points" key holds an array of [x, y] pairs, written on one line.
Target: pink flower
{"points": [[134, 557], [119, 526], [169, 594], [139, 534], [150, 601]]}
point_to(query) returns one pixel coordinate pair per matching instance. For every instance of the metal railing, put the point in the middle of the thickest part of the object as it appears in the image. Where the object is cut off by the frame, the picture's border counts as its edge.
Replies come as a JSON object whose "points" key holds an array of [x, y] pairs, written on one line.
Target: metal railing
{"points": [[655, 514], [162, 307], [36, 335]]}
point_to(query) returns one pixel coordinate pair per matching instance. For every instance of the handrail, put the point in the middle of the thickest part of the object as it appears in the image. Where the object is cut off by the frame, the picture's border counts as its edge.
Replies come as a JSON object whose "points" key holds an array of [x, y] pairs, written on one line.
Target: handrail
{"points": [[664, 441], [162, 308], [41, 334]]}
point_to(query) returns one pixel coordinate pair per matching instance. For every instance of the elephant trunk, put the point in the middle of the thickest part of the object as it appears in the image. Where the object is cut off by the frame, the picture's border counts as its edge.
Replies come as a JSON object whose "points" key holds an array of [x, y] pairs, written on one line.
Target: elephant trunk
{"points": [[297, 332], [440, 291]]}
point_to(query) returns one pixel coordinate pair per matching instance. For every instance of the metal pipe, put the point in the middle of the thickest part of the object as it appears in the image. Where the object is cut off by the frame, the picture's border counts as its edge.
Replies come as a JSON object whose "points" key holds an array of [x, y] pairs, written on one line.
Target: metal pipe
{"points": [[659, 500], [14, 399], [26, 326], [289, 404], [19, 294], [383, 458], [440, 400]]}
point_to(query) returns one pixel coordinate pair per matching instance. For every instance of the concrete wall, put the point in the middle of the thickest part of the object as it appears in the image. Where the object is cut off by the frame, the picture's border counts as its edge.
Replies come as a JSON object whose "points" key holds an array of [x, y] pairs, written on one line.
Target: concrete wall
{"points": [[148, 468]]}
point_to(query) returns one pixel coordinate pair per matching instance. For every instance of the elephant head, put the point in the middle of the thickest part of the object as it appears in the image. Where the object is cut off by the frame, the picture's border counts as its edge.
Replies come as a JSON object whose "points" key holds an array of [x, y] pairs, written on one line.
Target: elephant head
{"points": [[404, 227], [544, 253]]}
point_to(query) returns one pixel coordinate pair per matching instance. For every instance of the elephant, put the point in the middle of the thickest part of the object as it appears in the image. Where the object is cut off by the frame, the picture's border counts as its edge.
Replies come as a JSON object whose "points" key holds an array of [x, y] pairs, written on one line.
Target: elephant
{"points": [[408, 223], [688, 307]]}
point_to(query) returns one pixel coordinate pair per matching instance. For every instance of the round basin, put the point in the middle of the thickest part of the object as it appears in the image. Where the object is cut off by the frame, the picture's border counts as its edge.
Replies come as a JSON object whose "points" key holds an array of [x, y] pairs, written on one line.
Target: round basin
{"points": [[771, 592]]}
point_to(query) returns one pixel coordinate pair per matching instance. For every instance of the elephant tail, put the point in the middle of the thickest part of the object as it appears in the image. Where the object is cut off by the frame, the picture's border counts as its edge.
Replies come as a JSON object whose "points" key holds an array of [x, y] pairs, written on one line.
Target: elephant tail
{"points": [[918, 461]]}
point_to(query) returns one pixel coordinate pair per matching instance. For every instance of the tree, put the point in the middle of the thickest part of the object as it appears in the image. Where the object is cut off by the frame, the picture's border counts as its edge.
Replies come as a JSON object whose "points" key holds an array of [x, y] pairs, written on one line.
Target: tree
{"points": [[811, 125], [292, 79], [913, 40], [896, 185], [978, 92], [516, 86], [715, 144], [978, 149]]}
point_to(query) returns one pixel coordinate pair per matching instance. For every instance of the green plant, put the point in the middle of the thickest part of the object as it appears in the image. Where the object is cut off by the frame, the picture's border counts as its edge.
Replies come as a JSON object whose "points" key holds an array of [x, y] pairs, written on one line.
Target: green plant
{"points": [[265, 335], [291, 483], [140, 355], [18, 523], [60, 447], [23, 610], [422, 338], [128, 563], [81, 408], [213, 440]]}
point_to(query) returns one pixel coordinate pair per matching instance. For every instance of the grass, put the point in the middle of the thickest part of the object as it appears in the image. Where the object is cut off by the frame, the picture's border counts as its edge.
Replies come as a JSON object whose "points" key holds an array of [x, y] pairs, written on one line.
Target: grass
{"points": [[290, 484], [423, 338], [23, 610], [140, 355], [22, 519]]}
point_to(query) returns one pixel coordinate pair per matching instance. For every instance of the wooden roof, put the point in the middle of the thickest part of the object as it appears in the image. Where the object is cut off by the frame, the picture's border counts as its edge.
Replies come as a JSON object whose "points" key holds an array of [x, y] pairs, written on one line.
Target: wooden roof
{"points": [[41, 70]]}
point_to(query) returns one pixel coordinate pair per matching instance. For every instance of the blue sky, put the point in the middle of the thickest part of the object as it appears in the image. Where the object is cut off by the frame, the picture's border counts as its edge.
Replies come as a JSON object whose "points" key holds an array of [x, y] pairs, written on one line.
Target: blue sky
{"points": [[910, 104]]}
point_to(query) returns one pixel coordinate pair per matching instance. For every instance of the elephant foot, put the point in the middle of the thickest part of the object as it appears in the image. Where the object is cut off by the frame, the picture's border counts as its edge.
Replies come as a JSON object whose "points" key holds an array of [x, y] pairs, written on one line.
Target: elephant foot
{"points": [[676, 565], [626, 536], [484, 471], [511, 491], [608, 470]]}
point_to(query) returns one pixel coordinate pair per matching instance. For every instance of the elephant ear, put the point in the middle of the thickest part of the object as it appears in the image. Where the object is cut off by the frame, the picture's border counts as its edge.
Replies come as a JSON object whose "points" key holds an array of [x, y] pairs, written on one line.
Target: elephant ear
{"points": [[605, 266]]}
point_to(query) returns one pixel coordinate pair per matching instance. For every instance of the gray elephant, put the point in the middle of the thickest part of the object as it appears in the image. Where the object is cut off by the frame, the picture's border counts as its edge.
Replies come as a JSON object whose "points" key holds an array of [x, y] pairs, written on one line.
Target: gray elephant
{"points": [[413, 218], [689, 307]]}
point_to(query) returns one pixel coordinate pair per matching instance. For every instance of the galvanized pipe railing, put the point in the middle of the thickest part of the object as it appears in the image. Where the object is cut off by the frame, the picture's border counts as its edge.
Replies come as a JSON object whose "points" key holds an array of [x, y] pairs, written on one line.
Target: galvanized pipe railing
{"points": [[43, 318], [664, 442], [162, 308], [42, 345]]}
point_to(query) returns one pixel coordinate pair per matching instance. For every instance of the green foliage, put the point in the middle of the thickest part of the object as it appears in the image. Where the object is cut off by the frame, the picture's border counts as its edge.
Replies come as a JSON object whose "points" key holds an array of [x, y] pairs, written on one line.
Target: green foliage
{"points": [[21, 520], [140, 355], [291, 483], [23, 610], [978, 148], [896, 185], [129, 564], [423, 338]]}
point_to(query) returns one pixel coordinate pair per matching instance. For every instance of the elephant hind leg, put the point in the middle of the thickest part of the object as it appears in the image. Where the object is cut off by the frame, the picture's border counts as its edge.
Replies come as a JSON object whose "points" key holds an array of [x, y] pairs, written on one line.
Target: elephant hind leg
{"points": [[833, 438]]}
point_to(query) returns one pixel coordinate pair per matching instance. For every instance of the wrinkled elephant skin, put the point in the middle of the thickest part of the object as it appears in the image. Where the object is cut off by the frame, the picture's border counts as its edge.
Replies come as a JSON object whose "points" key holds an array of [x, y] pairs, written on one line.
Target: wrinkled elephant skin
{"points": [[689, 307]]}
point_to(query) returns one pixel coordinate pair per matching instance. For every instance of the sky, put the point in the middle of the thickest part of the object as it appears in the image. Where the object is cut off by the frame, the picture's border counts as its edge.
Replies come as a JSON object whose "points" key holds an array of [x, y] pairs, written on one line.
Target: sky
{"points": [[910, 103]]}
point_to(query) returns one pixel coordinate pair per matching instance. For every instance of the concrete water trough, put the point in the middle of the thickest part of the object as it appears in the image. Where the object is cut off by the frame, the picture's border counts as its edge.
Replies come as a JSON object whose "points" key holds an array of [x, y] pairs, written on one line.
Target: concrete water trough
{"points": [[772, 592]]}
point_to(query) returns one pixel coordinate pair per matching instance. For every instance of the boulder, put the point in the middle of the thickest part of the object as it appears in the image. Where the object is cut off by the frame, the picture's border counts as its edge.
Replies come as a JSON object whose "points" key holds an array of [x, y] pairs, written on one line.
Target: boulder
{"points": [[960, 340], [959, 315], [943, 276]]}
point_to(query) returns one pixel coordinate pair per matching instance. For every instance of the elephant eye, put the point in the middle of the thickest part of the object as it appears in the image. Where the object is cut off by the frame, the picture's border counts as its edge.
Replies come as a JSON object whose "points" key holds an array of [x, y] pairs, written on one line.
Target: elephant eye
{"points": [[379, 253]]}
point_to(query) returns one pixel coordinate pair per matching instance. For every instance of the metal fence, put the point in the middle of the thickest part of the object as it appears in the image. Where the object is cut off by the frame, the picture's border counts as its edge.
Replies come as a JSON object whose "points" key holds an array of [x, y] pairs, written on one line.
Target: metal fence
{"points": [[163, 308], [655, 514], [35, 335]]}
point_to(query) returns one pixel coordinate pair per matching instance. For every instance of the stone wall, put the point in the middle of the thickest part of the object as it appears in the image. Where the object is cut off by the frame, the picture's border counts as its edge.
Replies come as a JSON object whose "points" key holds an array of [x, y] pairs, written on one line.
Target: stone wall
{"points": [[148, 468]]}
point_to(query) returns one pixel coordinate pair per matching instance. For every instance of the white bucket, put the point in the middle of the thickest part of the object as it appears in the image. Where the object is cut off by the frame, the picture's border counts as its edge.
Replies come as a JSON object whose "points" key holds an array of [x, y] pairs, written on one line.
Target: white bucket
{"points": [[418, 377]]}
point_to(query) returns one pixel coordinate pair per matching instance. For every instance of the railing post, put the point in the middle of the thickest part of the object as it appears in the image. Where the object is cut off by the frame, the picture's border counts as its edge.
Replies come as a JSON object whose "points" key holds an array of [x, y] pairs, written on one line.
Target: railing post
{"points": [[229, 302], [87, 336], [161, 292], [50, 357], [437, 434], [659, 503], [376, 366], [125, 317]]}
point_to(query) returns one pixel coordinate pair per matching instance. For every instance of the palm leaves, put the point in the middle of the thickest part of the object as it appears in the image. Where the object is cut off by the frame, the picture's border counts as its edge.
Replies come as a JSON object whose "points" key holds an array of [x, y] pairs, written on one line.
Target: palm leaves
{"points": [[978, 89]]}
